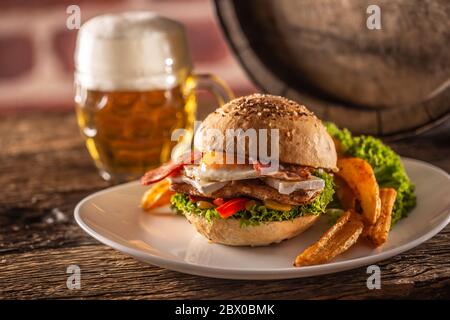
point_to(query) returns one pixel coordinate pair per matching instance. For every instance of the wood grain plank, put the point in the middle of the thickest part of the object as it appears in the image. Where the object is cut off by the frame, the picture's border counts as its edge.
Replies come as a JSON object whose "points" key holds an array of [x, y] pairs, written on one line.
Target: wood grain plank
{"points": [[44, 173], [106, 273]]}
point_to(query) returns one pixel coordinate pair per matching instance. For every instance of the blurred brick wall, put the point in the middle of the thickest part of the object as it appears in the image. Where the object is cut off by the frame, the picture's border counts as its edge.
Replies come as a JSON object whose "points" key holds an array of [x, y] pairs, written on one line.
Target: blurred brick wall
{"points": [[36, 48]]}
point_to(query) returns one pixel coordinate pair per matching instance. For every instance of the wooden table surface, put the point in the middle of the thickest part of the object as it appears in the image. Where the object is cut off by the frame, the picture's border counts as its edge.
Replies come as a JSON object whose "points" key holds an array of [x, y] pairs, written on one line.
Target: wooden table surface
{"points": [[45, 170]]}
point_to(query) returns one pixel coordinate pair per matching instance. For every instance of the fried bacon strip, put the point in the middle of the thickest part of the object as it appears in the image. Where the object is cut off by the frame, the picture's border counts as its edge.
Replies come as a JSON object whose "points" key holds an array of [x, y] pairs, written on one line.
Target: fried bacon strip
{"points": [[378, 233], [340, 237]]}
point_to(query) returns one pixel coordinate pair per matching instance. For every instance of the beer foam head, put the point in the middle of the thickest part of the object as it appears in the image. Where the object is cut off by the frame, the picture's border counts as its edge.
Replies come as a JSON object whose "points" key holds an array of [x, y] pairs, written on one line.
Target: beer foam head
{"points": [[131, 51]]}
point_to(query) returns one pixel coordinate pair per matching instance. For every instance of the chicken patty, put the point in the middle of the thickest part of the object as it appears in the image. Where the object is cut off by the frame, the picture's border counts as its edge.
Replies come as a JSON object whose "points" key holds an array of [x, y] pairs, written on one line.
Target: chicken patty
{"points": [[253, 189]]}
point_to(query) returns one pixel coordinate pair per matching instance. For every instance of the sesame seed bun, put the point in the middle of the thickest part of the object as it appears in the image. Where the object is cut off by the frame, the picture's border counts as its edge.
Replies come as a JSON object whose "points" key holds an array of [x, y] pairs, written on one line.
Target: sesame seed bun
{"points": [[303, 139]]}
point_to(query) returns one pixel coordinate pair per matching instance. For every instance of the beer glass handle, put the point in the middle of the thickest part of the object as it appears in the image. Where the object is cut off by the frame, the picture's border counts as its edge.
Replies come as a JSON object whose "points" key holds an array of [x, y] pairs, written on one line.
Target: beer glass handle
{"points": [[217, 87]]}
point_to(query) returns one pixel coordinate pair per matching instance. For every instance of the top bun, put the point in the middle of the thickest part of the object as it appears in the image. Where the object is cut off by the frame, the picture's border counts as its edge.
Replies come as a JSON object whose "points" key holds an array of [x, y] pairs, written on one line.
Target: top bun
{"points": [[303, 138]]}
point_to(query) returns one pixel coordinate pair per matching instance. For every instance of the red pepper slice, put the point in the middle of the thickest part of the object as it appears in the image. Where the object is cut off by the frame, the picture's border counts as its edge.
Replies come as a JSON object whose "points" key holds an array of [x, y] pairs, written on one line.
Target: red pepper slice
{"points": [[219, 201], [231, 207]]}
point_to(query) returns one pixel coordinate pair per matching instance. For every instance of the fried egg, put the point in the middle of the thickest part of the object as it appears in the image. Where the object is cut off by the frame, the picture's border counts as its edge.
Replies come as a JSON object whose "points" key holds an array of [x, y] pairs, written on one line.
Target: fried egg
{"points": [[226, 172], [215, 166]]}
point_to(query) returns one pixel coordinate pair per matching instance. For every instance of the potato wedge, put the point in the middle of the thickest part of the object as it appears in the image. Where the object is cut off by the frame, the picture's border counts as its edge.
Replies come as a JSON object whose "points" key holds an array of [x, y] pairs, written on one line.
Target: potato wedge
{"points": [[360, 177], [378, 233], [341, 236], [157, 196], [345, 194]]}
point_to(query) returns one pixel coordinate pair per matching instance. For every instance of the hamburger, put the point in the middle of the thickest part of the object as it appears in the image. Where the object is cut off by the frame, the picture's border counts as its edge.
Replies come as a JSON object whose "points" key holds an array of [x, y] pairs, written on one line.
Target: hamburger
{"points": [[234, 196]]}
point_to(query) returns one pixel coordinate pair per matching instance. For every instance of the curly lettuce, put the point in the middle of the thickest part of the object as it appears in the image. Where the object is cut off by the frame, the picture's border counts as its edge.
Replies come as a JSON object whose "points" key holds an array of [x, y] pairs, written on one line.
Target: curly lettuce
{"points": [[386, 164], [260, 213]]}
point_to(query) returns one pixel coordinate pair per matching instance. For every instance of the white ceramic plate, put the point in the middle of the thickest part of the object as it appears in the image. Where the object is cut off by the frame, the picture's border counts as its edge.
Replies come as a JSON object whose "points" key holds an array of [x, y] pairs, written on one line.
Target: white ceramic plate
{"points": [[113, 217]]}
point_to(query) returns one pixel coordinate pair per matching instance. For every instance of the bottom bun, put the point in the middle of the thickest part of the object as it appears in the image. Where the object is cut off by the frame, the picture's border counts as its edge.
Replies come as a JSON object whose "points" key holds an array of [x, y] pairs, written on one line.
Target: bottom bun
{"points": [[229, 231]]}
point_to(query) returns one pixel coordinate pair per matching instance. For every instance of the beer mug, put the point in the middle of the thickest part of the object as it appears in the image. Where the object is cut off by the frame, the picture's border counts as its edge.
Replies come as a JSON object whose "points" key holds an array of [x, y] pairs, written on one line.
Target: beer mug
{"points": [[134, 85]]}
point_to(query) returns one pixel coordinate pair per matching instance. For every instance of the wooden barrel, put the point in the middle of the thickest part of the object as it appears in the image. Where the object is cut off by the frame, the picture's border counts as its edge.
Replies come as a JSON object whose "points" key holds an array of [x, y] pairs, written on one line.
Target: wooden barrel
{"points": [[393, 81]]}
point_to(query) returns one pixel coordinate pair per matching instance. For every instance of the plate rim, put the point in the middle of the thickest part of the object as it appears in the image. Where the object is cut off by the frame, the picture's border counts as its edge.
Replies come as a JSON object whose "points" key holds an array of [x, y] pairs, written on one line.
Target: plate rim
{"points": [[278, 273]]}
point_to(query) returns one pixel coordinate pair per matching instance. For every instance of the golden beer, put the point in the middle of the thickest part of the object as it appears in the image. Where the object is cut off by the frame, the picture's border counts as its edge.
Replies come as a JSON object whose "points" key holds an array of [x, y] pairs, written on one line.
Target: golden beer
{"points": [[134, 87], [128, 132]]}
